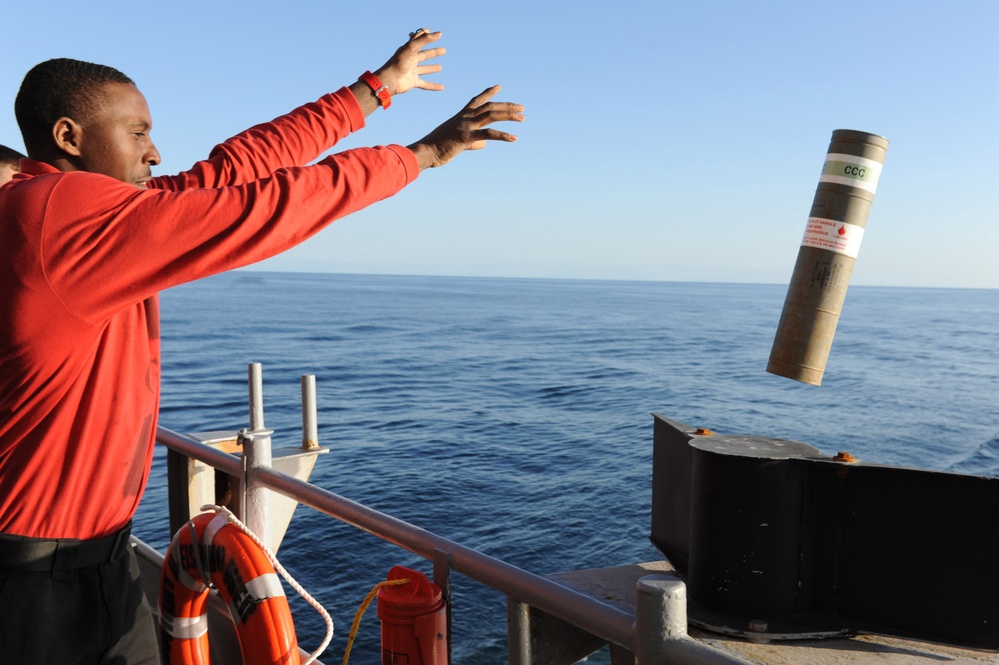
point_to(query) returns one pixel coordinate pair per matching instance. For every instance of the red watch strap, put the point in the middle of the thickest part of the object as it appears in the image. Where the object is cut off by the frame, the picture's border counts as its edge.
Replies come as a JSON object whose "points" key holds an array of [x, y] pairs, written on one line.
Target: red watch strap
{"points": [[384, 96]]}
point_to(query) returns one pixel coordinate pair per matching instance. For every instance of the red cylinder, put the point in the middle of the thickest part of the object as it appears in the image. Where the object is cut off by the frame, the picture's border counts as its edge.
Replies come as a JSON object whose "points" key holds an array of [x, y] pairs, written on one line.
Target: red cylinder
{"points": [[414, 620]]}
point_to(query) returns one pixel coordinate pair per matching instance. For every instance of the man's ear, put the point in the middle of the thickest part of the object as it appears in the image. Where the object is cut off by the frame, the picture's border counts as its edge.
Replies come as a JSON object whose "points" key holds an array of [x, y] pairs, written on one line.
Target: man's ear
{"points": [[67, 135]]}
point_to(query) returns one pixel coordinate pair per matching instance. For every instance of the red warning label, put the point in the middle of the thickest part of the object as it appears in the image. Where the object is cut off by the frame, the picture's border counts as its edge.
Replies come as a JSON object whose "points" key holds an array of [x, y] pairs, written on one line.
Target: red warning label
{"points": [[834, 236]]}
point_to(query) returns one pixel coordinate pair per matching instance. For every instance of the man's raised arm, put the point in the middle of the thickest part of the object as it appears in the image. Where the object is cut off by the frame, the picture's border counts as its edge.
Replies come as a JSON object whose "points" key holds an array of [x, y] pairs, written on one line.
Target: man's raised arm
{"points": [[300, 136]]}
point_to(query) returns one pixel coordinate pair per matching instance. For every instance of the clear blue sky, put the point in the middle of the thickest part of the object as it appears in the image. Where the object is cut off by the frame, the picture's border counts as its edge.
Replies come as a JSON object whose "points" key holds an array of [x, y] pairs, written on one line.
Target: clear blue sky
{"points": [[664, 140]]}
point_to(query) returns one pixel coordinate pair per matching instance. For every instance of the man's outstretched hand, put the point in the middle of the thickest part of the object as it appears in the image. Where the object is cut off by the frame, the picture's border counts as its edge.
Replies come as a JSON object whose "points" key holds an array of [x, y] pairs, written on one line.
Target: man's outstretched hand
{"points": [[468, 130], [404, 69]]}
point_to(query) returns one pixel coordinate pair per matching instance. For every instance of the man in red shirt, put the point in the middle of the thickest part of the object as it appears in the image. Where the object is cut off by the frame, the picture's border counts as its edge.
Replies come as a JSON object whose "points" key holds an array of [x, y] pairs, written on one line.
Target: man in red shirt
{"points": [[89, 238]]}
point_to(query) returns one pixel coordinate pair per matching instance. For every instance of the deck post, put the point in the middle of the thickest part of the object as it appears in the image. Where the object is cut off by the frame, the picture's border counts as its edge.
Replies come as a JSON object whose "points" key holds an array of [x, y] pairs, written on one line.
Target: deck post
{"points": [[256, 455], [310, 419], [518, 632], [660, 617], [442, 578]]}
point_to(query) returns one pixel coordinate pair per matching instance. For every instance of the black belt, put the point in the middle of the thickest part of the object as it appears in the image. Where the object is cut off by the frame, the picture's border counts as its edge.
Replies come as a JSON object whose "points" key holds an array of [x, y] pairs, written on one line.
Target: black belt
{"points": [[23, 554]]}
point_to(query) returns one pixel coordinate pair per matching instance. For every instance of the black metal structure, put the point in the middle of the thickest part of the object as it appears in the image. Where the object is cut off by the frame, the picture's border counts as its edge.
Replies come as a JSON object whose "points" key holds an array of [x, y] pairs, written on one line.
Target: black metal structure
{"points": [[776, 540]]}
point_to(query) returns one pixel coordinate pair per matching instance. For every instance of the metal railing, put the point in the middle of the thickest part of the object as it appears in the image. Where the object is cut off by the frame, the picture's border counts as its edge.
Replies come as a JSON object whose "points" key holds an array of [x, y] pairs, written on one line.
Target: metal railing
{"points": [[656, 633]]}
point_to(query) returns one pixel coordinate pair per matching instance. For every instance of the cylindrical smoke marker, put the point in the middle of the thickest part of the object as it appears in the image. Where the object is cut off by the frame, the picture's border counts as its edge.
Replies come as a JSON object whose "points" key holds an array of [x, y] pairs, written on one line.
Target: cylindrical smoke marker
{"points": [[827, 255]]}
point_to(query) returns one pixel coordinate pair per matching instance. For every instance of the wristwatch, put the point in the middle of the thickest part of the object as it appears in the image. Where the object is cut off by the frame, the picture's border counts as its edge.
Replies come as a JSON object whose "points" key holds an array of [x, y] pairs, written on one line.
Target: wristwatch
{"points": [[379, 88]]}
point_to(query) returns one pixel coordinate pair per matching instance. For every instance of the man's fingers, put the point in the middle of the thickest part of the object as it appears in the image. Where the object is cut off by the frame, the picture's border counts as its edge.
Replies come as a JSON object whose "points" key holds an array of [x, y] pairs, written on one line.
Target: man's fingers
{"points": [[483, 97], [481, 137], [490, 134], [423, 70], [428, 69], [498, 112], [427, 54], [424, 35], [486, 112]]}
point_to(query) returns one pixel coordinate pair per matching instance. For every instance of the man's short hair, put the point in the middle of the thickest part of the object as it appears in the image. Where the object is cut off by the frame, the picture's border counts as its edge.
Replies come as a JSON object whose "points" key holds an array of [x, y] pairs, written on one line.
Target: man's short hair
{"points": [[10, 157], [58, 88]]}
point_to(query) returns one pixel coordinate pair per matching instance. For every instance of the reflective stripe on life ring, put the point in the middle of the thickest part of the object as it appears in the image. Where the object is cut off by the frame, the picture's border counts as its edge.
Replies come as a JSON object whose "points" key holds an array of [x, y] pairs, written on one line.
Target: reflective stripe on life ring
{"points": [[211, 550]]}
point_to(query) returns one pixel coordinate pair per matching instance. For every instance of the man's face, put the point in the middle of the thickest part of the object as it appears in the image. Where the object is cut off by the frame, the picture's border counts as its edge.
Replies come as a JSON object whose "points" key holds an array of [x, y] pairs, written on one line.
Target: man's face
{"points": [[115, 139]]}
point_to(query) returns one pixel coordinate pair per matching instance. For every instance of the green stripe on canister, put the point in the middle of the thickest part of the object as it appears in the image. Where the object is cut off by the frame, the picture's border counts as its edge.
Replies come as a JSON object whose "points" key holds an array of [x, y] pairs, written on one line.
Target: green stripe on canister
{"points": [[828, 252]]}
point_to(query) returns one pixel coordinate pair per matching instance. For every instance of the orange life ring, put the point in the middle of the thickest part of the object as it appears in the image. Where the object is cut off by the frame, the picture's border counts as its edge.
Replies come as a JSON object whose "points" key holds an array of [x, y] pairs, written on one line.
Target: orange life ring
{"points": [[211, 550]]}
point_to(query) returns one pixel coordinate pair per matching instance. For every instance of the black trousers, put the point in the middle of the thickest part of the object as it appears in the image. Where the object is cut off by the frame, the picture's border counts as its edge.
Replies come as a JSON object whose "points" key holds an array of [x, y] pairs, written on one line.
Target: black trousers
{"points": [[96, 615]]}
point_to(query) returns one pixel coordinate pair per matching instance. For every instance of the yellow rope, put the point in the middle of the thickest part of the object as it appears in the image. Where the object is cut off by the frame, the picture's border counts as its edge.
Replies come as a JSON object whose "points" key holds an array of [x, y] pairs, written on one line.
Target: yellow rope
{"points": [[360, 612]]}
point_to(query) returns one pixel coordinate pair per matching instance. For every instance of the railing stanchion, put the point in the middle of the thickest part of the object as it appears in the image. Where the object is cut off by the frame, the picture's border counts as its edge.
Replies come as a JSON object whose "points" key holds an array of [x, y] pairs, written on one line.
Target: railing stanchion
{"points": [[442, 578], [518, 632], [256, 455], [310, 419], [660, 617]]}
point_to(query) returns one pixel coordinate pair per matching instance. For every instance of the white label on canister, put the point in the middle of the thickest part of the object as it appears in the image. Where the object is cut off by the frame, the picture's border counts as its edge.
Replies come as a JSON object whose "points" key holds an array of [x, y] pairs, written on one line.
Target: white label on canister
{"points": [[852, 171], [834, 236]]}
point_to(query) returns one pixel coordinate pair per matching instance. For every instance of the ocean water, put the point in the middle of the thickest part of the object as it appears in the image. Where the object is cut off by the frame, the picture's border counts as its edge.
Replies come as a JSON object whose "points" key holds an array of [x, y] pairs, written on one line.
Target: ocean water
{"points": [[514, 415]]}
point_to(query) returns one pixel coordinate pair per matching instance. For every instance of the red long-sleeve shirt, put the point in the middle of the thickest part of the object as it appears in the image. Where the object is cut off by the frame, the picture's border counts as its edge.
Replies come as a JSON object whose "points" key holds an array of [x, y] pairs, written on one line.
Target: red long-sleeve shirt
{"points": [[82, 257]]}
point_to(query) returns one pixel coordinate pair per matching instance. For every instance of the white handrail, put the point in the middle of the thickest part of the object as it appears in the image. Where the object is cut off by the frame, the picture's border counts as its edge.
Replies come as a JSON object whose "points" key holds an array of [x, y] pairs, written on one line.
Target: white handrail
{"points": [[573, 607]]}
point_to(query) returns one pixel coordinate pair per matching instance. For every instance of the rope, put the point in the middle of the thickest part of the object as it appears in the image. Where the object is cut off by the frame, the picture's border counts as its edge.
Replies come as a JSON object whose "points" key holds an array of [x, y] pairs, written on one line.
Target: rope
{"points": [[285, 574], [360, 612]]}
